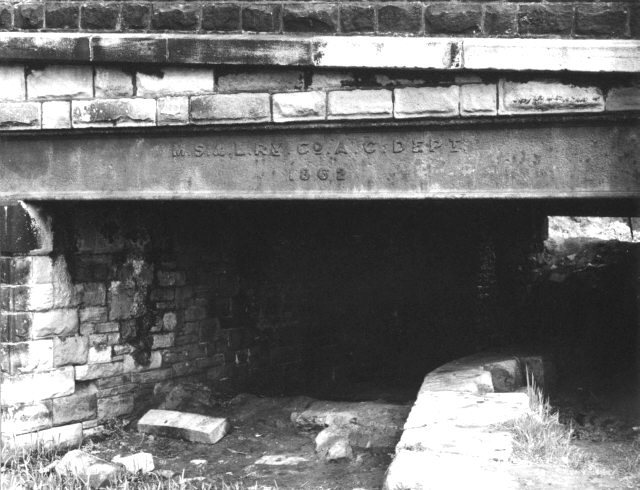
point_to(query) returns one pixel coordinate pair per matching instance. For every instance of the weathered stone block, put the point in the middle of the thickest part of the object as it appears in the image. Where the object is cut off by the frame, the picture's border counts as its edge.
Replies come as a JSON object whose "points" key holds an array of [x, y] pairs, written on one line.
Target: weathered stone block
{"points": [[95, 371], [93, 314], [107, 327], [230, 108], [56, 114], [99, 354], [55, 322], [113, 112], [6, 17], [452, 18], [70, 350], [478, 100], [103, 16], [111, 83], [262, 80], [93, 294], [357, 18], [221, 17], [62, 16], [135, 16], [32, 356], [171, 278], [64, 436], [551, 97], [173, 110], [136, 462], [15, 327], [169, 321], [545, 19], [261, 18], [41, 269], [19, 115], [426, 102], [130, 365], [81, 405], [162, 341], [174, 80], [400, 17], [99, 340], [31, 387], [623, 99], [360, 104], [606, 20], [310, 18], [500, 19], [28, 16], [21, 418], [175, 17], [60, 81], [299, 106], [12, 82], [189, 426], [115, 406]]}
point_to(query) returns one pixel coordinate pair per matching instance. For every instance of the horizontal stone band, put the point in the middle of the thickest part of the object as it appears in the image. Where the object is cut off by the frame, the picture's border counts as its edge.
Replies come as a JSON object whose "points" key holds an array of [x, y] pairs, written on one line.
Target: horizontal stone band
{"points": [[584, 55]]}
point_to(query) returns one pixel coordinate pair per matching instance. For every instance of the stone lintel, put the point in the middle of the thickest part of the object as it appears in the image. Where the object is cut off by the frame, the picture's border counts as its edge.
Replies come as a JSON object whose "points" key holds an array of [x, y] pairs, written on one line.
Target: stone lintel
{"points": [[584, 55]]}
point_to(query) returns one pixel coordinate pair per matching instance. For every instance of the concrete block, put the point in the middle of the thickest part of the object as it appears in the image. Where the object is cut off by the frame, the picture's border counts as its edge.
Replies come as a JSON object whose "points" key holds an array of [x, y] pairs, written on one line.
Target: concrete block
{"points": [[299, 106], [174, 81], [360, 104], [29, 357], [70, 350], [189, 426], [261, 81], [173, 111], [112, 83], [230, 108], [548, 97], [60, 81], [19, 115], [426, 102], [623, 99], [65, 436], [478, 100], [60, 323], [31, 387], [56, 114], [96, 371], [21, 418], [80, 406], [115, 406], [12, 82], [113, 112]]}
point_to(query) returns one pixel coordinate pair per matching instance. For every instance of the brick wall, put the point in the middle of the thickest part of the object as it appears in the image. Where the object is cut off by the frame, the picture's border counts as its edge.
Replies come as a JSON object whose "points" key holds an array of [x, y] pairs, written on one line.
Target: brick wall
{"points": [[617, 19]]}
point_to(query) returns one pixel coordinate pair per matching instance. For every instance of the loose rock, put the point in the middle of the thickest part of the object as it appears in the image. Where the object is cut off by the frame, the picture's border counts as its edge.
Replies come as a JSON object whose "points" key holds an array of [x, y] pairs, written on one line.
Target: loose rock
{"points": [[94, 471], [189, 426], [136, 462]]}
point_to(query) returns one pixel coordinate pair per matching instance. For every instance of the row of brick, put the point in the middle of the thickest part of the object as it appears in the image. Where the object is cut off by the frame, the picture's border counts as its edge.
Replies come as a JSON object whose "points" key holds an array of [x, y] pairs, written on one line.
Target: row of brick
{"points": [[505, 98], [618, 19]]}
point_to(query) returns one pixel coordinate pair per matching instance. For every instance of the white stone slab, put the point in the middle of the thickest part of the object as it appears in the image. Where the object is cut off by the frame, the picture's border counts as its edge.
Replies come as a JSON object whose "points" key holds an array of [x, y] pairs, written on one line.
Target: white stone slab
{"points": [[189, 426]]}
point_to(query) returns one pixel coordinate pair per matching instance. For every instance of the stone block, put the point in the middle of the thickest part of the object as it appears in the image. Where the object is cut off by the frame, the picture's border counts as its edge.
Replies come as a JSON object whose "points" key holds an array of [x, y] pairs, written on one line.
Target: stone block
{"points": [[169, 321], [175, 17], [194, 313], [174, 81], [89, 469], [65, 436], [70, 350], [478, 100], [405, 17], [221, 17], [426, 102], [545, 19], [321, 18], [189, 426], [113, 112], [360, 104], [135, 16], [154, 376], [134, 463], [15, 327], [263, 80], [115, 406], [549, 97], [93, 294], [19, 115], [121, 301], [602, 20], [21, 418], [32, 387], [6, 17], [62, 16], [623, 99], [88, 372], [59, 323], [56, 114], [12, 82], [130, 365], [29, 16], [80, 406], [29, 357], [99, 354], [100, 16], [500, 19], [107, 327], [100, 340], [261, 18], [324, 79], [93, 314], [230, 108], [299, 106], [60, 81], [112, 83], [173, 110], [171, 278], [357, 18], [41, 269], [162, 341], [453, 18]]}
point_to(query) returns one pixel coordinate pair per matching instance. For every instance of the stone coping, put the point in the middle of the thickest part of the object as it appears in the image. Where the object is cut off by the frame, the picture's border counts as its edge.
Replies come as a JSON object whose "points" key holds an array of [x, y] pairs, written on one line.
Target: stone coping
{"points": [[386, 52]]}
